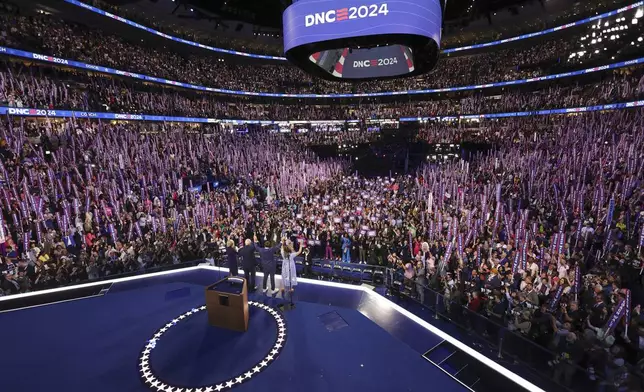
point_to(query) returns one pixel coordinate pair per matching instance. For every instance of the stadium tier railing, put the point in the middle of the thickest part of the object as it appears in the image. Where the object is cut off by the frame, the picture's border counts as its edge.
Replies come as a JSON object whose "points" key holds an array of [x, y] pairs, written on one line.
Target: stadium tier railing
{"points": [[33, 112], [279, 58], [322, 269], [111, 71]]}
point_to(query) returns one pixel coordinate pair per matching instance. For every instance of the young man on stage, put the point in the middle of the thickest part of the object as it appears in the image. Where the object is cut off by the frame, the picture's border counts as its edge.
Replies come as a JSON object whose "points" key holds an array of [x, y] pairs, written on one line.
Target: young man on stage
{"points": [[267, 258]]}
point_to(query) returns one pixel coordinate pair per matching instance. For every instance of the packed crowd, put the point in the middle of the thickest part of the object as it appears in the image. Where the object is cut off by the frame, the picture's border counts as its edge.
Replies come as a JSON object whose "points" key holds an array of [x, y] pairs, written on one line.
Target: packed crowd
{"points": [[218, 40], [542, 234], [544, 237], [456, 36], [55, 37], [36, 86], [462, 35], [96, 199]]}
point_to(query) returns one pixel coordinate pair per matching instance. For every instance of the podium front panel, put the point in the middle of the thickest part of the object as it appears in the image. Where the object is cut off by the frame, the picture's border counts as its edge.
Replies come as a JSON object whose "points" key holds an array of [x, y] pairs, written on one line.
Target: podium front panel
{"points": [[227, 304]]}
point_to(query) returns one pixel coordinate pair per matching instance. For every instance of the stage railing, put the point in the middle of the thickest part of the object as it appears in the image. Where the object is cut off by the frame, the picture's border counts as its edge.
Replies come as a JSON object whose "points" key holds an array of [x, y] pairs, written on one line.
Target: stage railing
{"points": [[327, 270], [492, 336], [143, 271]]}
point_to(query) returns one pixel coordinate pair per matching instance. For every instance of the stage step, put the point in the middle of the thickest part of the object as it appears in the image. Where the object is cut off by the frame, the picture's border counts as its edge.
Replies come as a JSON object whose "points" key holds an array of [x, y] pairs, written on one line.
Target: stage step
{"points": [[456, 363], [440, 353]]}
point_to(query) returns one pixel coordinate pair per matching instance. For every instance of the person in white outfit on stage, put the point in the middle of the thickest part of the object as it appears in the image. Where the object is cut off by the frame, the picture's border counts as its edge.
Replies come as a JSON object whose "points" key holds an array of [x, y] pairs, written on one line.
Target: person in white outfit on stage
{"points": [[289, 276]]}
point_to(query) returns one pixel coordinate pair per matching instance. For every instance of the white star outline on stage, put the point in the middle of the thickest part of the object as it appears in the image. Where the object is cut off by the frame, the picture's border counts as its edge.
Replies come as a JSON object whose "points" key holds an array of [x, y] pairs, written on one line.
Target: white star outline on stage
{"points": [[148, 377]]}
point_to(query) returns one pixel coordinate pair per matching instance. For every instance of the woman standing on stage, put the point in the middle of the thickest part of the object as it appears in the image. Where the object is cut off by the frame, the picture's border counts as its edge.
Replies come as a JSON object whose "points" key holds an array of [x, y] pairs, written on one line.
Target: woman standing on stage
{"points": [[289, 276], [231, 258]]}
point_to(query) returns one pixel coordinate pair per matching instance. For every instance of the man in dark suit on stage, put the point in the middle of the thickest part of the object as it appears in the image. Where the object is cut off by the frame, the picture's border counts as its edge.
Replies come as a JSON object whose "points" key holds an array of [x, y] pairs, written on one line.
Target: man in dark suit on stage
{"points": [[249, 263], [269, 264]]}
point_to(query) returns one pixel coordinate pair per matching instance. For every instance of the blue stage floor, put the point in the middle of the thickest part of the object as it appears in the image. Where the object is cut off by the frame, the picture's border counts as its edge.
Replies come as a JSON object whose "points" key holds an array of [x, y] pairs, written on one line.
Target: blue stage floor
{"points": [[338, 340]]}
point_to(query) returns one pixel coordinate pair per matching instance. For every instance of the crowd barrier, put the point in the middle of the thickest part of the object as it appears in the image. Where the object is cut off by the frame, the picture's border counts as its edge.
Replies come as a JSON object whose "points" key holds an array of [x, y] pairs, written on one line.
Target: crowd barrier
{"points": [[160, 268], [483, 333], [278, 58], [329, 270], [31, 112], [490, 337], [322, 269], [113, 71], [346, 272]]}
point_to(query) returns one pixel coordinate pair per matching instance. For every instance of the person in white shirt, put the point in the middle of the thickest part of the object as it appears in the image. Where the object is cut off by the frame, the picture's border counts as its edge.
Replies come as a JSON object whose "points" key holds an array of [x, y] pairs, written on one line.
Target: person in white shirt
{"points": [[562, 269], [533, 268]]}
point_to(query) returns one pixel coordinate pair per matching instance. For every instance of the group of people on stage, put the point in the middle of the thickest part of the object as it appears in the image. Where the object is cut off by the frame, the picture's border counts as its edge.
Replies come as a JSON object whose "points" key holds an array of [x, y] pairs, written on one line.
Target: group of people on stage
{"points": [[268, 262]]}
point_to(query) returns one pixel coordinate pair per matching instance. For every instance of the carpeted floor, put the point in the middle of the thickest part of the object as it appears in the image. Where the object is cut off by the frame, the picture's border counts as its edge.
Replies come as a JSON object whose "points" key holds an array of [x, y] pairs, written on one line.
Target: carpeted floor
{"points": [[93, 345]]}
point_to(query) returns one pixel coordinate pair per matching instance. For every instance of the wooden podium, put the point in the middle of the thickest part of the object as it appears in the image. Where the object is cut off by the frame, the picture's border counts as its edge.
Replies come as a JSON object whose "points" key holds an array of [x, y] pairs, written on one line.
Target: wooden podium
{"points": [[227, 304]]}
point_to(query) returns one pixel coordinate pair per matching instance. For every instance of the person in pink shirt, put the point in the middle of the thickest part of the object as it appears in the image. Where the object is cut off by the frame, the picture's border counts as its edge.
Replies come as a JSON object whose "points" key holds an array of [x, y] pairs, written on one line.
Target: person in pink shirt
{"points": [[89, 239], [417, 247]]}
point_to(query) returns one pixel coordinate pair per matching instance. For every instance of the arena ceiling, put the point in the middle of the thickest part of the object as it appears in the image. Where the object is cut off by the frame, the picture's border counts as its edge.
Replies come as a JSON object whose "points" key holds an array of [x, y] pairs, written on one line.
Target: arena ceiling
{"points": [[268, 13]]}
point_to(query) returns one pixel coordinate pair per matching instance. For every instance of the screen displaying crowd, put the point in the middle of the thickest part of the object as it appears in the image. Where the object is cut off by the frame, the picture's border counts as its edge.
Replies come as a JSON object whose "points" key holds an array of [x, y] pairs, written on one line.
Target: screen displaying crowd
{"points": [[540, 235]]}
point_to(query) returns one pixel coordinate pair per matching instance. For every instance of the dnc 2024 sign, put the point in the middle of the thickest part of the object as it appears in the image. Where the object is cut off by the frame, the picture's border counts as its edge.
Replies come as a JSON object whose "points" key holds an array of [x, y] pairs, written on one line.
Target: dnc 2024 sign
{"points": [[346, 14]]}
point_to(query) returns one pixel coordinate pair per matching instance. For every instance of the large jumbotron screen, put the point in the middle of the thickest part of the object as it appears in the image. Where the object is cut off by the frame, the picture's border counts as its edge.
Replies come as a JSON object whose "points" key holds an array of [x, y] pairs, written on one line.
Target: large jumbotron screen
{"points": [[359, 39]]}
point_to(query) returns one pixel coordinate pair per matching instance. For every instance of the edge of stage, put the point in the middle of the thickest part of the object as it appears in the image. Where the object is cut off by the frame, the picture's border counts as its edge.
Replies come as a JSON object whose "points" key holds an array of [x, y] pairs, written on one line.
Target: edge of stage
{"points": [[366, 300]]}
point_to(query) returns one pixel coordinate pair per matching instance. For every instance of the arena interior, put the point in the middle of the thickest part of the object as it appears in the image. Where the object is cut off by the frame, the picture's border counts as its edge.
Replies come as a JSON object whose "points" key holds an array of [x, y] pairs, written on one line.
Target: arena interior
{"points": [[474, 227]]}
